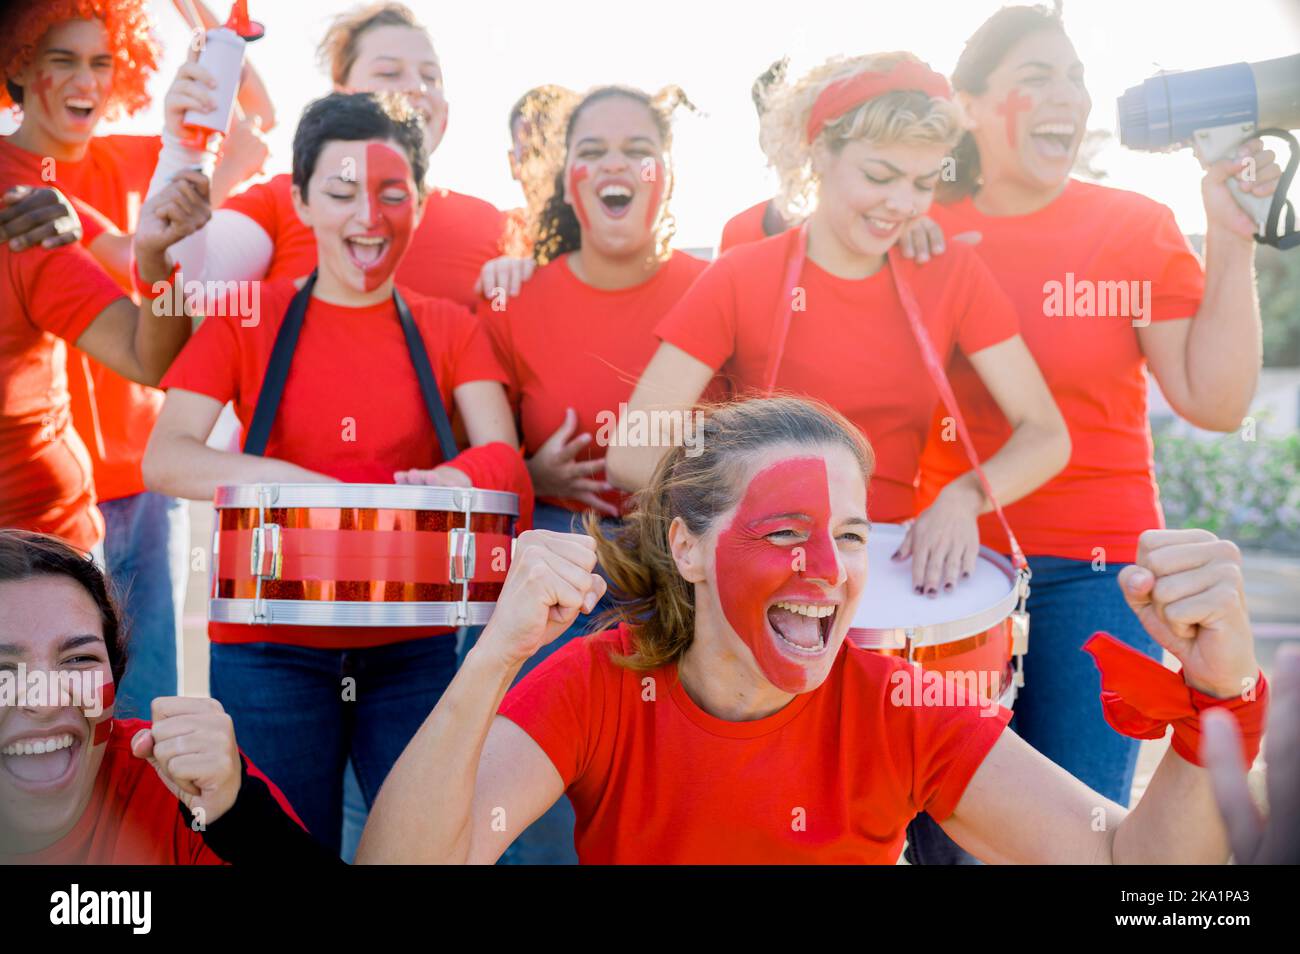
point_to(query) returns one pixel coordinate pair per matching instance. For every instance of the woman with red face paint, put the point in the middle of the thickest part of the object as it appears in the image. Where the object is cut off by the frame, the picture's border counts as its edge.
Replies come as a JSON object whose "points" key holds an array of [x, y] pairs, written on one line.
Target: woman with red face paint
{"points": [[257, 234], [580, 331], [79, 784], [726, 720], [818, 310], [1195, 327], [351, 409]]}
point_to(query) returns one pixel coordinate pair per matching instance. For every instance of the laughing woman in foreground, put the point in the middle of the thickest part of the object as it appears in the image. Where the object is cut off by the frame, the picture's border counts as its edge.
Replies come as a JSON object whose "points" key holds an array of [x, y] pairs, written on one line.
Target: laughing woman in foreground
{"points": [[725, 720]]}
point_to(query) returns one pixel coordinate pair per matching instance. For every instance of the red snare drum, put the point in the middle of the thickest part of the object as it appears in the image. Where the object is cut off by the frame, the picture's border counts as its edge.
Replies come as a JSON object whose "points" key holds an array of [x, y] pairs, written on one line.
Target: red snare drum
{"points": [[359, 554], [978, 629]]}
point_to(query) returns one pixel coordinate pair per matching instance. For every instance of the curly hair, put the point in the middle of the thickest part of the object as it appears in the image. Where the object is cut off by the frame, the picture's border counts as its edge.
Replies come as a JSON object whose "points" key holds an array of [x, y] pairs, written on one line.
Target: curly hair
{"points": [[907, 116], [135, 50], [556, 230]]}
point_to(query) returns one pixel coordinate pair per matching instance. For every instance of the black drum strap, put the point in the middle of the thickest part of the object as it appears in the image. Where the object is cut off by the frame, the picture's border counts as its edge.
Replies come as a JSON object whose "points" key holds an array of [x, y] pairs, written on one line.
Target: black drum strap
{"points": [[277, 373]]}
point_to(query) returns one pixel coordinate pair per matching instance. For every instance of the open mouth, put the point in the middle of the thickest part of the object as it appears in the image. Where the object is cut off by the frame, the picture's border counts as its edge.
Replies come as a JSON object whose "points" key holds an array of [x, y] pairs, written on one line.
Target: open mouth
{"points": [[42, 764], [882, 228], [615, 199], [803, 629], [1054, 140], [79, 108], [366, 251]]}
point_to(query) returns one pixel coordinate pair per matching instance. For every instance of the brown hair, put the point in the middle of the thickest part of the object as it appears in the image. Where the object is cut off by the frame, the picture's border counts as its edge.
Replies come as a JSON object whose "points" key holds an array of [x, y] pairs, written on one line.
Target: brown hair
{"points": [[24, 555], [557, 230], [984, 52], [338, 50], [651, 595]]}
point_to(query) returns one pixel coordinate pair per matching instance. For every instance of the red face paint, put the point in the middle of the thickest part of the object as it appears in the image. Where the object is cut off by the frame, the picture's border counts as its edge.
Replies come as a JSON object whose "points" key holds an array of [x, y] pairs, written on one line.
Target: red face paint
{"points": [[42, 85], [755, 571], [577, 174], [386, 169], [1010, 108], [103, 723], [656, 193]]}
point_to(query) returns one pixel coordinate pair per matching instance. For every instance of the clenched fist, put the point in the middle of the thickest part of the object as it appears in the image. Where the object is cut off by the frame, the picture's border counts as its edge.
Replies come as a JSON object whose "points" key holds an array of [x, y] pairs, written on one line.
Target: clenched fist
{"points": [[551, 580], [191, 746], [1186, 588]]}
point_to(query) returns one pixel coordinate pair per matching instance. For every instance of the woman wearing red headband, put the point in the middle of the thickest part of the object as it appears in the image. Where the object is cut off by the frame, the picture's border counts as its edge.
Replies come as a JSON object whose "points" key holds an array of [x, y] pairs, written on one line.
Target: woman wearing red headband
{"points": [[1105, 286], [257, 234], [818, 310], [81, 785], [694, 733]]}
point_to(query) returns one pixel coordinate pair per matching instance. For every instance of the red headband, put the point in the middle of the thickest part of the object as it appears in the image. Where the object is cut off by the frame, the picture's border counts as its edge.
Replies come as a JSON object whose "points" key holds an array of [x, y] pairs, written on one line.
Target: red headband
{"points": [[852, 91]]}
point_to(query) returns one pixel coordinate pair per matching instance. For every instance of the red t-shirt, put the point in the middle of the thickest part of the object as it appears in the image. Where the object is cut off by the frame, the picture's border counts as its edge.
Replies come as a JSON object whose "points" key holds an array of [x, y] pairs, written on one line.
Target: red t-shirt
{"points": [[351, 406], [114, 415], [132, 818], [1089, 235], [47, 297], [852, 347], [565, 344], [744, 227], [456, 235], [833, 778]]}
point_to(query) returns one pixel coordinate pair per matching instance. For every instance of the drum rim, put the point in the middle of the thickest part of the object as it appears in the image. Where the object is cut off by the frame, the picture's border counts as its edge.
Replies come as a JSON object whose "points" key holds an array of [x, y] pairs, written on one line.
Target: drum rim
{"points": [[339, 613], [366, 496]]}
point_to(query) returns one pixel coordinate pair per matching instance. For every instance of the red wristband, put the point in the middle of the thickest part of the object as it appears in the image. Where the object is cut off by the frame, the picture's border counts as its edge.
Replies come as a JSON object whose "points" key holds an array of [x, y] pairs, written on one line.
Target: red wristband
{"points": [[146, 289], [1141, 699]]}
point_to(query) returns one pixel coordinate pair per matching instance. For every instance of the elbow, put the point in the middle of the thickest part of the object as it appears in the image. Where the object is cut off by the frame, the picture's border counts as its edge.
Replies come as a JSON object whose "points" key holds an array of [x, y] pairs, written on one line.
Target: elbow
{"points": [[1224, 417], [153, 467]]}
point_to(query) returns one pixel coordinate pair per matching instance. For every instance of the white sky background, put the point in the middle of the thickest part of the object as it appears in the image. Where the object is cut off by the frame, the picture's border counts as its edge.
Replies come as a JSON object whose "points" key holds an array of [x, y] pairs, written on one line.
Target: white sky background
{"points": [[491, 52]]}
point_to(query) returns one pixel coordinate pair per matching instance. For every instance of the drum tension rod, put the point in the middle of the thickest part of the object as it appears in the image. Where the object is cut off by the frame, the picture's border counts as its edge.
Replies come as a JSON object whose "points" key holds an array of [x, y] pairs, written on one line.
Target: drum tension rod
{"points": [[266, 559], [461, 556]]}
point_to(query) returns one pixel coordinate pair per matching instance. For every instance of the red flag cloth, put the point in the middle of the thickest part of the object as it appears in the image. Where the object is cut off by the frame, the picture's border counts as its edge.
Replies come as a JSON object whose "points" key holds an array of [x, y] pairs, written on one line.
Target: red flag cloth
{"points": [[1141, 699], [498, 466]]}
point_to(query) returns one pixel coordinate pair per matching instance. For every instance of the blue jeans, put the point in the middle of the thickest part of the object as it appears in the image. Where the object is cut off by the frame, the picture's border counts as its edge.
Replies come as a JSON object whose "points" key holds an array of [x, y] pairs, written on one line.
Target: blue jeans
{"points": [[146, 553], [549, 840], [300, 714], [1058, 711]]}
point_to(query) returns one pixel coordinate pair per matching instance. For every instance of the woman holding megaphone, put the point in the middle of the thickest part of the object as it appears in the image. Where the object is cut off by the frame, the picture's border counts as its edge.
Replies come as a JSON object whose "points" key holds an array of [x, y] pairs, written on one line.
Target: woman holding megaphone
{"points": [[1106, 287]]}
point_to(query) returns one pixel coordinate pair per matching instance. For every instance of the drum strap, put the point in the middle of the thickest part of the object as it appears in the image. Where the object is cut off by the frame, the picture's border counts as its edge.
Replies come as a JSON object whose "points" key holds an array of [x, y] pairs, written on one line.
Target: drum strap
{"points": [[929, 355], [277, 373]]}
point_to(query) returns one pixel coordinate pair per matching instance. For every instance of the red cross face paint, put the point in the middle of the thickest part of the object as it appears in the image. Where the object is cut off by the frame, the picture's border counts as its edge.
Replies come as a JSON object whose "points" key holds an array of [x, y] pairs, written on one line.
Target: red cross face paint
{"points": [[1010, 109], [578, 173], [363, 208], [780, 579]]}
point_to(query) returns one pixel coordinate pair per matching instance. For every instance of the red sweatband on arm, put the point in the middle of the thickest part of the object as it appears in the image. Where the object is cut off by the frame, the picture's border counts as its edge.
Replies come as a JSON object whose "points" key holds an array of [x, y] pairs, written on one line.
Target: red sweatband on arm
{"points": [[1141, 699], [146, 289], [498, 466]]}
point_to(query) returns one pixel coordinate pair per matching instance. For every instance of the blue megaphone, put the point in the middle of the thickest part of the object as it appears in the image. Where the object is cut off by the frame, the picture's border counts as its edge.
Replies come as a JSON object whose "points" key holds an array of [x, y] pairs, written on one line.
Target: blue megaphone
{"points": [[1215, 110]]}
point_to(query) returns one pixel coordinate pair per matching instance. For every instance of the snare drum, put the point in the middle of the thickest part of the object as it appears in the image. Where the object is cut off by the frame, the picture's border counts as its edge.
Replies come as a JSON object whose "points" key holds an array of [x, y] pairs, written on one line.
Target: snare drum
{"points": [[359, 554], [978, 628]]}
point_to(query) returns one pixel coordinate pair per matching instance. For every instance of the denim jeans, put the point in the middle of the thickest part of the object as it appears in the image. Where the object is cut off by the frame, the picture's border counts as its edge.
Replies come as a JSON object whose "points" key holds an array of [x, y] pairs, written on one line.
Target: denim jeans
{"points": [[146, 554], [300, 714], [549, 840], [1058, 710]]}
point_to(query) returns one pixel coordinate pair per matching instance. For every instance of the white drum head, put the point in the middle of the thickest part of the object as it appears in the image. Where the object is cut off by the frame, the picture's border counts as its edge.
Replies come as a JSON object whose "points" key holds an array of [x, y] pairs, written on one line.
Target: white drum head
{"points": [[890, 602]]}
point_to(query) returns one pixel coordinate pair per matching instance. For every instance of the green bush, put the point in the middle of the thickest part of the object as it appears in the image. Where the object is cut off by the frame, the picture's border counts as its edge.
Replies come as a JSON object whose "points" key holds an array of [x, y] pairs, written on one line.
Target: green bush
{"points": [[1245, 490]]}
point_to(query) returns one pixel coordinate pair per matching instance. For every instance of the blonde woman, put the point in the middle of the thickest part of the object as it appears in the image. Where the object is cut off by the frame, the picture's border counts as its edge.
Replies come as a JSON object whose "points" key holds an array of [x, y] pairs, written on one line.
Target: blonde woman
{"points": [[860, 145], [716, 725]]}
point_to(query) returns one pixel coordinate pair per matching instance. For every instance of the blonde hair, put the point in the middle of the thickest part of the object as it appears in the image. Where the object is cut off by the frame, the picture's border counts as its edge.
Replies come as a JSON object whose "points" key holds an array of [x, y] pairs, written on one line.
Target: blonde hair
{"points": [[906, 116], [651, 595]]}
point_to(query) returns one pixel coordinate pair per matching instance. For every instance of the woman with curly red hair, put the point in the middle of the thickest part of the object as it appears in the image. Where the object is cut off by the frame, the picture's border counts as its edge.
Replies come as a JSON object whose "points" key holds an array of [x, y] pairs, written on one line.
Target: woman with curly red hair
{"points": [[67, 65]]}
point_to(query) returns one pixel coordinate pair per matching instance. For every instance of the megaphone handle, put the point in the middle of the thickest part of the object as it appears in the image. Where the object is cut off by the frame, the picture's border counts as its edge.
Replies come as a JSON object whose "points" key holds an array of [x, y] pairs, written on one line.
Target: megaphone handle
{"points": [[1221, 142]]}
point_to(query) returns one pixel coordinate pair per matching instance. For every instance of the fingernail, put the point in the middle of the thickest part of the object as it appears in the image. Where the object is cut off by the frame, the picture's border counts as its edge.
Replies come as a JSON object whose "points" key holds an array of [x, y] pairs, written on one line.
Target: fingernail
{"points": [[965, 574], [947, 587], [917, 589], [895, 556], [932, 592]]}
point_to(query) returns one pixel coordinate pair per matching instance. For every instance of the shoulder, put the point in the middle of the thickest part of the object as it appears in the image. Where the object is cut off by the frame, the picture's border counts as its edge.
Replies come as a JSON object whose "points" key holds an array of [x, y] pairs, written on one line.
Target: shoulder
{"points": [[683, 266], [1109, 197], [469, 208], [119, 146]]}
